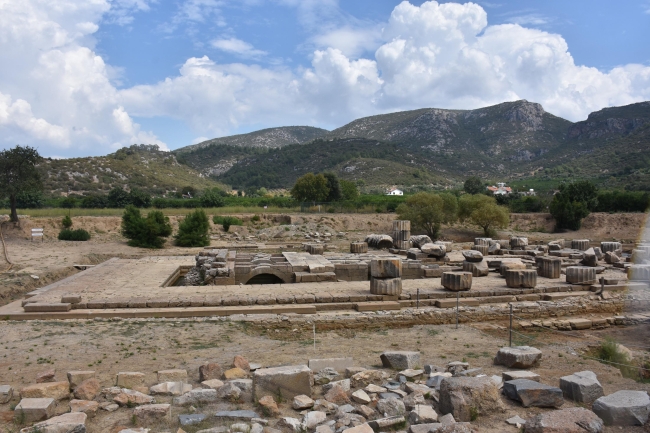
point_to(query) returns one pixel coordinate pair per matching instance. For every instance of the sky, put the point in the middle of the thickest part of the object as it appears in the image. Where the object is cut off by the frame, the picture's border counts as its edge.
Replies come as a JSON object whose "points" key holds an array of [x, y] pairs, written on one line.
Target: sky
{"points": [[86, 77]]}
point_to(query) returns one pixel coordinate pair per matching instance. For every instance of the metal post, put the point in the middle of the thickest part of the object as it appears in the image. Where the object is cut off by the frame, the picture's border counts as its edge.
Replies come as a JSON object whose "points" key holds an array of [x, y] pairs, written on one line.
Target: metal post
{"points": [[417, 302], [457, 303], [510, 338]]}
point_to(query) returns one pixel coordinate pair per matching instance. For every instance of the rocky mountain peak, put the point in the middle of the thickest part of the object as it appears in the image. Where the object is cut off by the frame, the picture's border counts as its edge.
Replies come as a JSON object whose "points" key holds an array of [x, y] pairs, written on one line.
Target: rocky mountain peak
{"points": [[530, 115]]}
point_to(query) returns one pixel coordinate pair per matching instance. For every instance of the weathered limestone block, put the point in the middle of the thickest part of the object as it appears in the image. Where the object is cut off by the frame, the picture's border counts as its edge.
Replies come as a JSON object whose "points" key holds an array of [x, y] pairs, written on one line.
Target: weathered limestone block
{"points": [[170, 388], [457, 281], [129, 397], [611, 258], [513, 375], [526, 278], [518, 243], [580, 275], [74, 422], [623, 408], [518, 357], [316, 249], [130, 379], [482, 241], [358, 247], [483, 249], [400, 360], [386, 286], [571, 420], [402, 245], [559, 243], [582, 387], [391, 406], [434, 250], [76, 377], [418, 241], [302, 402], [46, 376], [549, 267], [210, 371], [288, 381], [422, 414], [402, 226], [153, 412], [86, 406], [479, 269], [172, 376], [6, 393], [494, 249], [379, 242], [589, 258], [55, 390], [88, 389], [531, 393], [196, 396], [463, 396], [580, 244], [473, 256], [366, 377], [507, 266], [638, 272], [34, 409], [389, 267], [610, 246]]}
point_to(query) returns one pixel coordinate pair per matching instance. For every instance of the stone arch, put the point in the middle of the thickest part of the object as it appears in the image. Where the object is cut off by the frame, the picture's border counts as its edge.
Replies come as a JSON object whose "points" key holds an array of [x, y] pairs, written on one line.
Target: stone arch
{"points": [[268, 270]]}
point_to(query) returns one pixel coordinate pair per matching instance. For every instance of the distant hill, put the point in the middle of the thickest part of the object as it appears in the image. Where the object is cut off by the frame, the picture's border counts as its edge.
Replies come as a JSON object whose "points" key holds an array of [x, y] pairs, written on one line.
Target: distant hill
{"points": [[139, 166]]}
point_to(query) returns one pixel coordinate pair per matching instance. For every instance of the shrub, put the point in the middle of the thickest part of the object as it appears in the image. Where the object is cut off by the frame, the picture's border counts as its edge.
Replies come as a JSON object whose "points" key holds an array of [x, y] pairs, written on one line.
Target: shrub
{"points": [[212, 198], [66, 222], [255, 218], [145, 232], [227, 221], [610, 352], [193, 230], [572, 203], [74, 235]]}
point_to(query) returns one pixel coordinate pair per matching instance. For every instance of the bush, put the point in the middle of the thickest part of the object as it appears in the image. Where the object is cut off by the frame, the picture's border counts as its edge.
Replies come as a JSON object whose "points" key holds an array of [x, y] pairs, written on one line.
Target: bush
{"points": [[212, 198], [572, 203], [428, 211], [193, 230], [145, 232], [484, 212], [609, 352], [66, 222], [227, 221], [69, 202], [95, 202], [73, 235]]}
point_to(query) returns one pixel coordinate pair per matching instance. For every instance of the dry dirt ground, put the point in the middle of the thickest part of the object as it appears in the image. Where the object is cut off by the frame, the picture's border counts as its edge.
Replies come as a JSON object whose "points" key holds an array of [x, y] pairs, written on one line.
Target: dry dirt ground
{"points": [[150, 345]]}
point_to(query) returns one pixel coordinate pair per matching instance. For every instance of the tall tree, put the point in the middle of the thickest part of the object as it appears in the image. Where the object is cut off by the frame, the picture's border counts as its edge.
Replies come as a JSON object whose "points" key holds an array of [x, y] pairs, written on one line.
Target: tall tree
{"points": [[428, 211], [572, 203], [18, 174], [310, 187], [473, 185], [334, 187], [484, 212]]}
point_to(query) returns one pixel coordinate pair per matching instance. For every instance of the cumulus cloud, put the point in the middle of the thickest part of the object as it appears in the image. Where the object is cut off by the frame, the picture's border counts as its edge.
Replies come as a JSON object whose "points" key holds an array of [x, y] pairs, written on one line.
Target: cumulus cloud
{"points": [[59, 91]]}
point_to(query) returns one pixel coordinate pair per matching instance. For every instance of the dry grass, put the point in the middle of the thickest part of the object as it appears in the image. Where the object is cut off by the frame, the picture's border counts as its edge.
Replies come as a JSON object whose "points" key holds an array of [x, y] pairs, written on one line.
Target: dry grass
{"points": [[59, 212]]}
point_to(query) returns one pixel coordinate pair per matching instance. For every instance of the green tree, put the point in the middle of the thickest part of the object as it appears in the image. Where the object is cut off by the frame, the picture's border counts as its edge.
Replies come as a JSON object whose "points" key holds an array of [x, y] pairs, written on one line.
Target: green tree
{"points": [[139, 198], [573, 203], [473, 185], [193, 231], [334, 187], [349, 190], [212, 198], [18, 174], [484, 212], [310, 187], [66, 222], [118, 198], [428, 211], [145, 232]]}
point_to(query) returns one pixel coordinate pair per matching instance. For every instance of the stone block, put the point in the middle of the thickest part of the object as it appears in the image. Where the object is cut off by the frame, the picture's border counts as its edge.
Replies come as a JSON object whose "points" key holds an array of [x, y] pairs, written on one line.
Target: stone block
{"points": [[580, 324], [484, 250], [76, 377], [477, 269], [358, 247], [582, 387], [196, 396], [386, 286], [473, 256], [130, 397], [531, 393], [210, 371], [571, 420], [580, 244], [6, 393], [434, 250], [148, 413], [177, 375], [390, 267], [635, 273], [85, 406], [54, 390], [47, 307], [88, 389], [338, 364], [191, 419], [623, 408], [482, 241], [170, 388], [30, 410], [72, 422], [507, 266], [301, 402], [580, 275], [400, 360], [518, 243], [288, 381], [526, 278], [610, 246], [236, 415], [70, 299], [462, 396], [549, 267], [518, 357], [130, 379], [457, 281], [523, 374]]}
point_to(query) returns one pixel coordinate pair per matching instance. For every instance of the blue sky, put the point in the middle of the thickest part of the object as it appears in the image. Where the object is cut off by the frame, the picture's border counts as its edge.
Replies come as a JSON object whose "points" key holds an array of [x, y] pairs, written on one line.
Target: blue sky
{"points": [[90, 77]]}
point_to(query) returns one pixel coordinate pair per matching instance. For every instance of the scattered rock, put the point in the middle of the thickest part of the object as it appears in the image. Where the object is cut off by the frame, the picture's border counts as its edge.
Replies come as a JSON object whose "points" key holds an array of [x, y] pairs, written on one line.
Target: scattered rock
{"points": [[400, 360], [241, 362], [129, 397], [301, 402], [293, 424], [170, 388], [6, 393], [313, 418], [337, 395], [531, 393], [234, 373], [473, 256], [518, 357], [229, 392], [236, 414], [73, 422], [212, 384], [210, 371], [391, 407], [374, 389], [153, 412], [572, 420], [55, 390], [130, 379], [360, 396], [623, 408], [196, 396], [325, 406], [366, 377], [269, 406], [46, 376], [290, 381], [191, 419], [325, 376], [88, 389], [344, 384], [582, 386], [468, 397], [512, 375], [88, 407], [366, 411], [414, 399], [351, 371], [76, 377], [34, 409], [516, 420], [110, 407], [363, 428], [422, 414]]}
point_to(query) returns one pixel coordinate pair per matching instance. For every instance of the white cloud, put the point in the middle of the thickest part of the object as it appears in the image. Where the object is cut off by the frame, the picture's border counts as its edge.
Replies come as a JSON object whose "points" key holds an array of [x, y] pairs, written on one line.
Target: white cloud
{"points": [[351, 41], [237, 46]]}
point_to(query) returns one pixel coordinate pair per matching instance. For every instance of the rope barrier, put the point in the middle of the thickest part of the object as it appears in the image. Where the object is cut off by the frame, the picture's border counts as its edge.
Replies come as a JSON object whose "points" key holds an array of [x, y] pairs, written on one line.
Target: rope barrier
{"points": [[4, 248]]}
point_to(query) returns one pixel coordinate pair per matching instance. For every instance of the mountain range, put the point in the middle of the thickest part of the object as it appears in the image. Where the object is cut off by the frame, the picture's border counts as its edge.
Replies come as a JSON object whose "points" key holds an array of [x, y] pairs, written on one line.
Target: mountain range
{"points": [[511, 141]]}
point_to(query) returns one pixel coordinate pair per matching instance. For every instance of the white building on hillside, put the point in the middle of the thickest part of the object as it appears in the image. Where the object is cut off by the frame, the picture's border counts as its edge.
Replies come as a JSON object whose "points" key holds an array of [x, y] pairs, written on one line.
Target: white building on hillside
{"points": [[395, 191], [500, 189]]}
